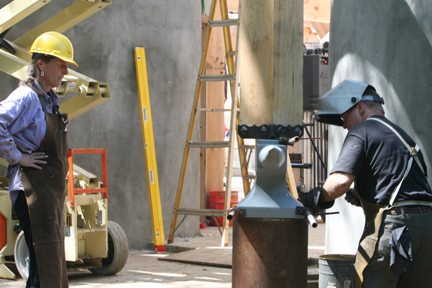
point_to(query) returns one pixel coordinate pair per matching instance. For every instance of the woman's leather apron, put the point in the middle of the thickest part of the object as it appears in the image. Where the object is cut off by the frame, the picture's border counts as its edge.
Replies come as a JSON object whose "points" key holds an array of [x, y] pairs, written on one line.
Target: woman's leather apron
{"points": [[369, 240], [45, 195]]}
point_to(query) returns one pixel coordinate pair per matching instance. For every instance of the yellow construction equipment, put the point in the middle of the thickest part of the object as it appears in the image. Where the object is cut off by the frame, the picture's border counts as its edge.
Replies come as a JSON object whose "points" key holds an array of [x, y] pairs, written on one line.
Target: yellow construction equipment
{"points": [[90, 239], [149, 148]]}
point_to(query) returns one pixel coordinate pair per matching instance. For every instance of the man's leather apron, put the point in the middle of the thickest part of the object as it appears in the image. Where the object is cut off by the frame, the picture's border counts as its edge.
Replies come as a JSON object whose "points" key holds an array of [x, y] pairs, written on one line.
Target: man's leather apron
{"points": [[369, 240], [45, 194]]}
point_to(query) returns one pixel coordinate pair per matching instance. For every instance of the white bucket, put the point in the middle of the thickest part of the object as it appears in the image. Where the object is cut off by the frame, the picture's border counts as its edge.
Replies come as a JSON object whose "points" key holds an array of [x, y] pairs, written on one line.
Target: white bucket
{"points": [[336, 270]]}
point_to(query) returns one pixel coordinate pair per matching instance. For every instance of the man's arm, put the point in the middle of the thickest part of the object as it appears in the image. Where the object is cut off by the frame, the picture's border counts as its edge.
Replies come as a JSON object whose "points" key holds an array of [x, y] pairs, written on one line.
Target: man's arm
{"points": [[336, 185]]}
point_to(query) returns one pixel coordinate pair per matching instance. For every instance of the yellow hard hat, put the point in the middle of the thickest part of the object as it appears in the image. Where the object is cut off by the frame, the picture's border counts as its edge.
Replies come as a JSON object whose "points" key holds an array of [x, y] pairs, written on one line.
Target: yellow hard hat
{"points": [[54, 44]]}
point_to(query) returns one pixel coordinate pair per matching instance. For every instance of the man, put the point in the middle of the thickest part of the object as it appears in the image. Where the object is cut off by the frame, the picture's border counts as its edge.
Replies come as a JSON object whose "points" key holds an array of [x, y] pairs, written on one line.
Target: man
{"points": [[390, 178]]}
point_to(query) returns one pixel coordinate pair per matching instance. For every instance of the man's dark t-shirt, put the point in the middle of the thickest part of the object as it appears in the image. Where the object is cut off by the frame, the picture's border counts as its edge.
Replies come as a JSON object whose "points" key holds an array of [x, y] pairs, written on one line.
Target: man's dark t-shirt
{"points": [[378, 159]]}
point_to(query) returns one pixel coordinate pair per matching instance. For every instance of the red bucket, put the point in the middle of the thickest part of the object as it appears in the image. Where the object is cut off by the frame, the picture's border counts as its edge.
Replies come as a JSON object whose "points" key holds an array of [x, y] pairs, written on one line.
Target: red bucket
{"points": [[3, 231], [217, 201]]}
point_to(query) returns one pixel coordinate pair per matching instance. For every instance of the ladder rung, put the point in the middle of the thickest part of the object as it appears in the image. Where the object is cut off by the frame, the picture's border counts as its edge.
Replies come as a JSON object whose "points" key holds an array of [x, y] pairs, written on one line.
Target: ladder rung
{"points": [[223, 77], [301, 165], [221, 23], [210, 212], [247, 146], [231, 53], [213, 110], [209, 144]]}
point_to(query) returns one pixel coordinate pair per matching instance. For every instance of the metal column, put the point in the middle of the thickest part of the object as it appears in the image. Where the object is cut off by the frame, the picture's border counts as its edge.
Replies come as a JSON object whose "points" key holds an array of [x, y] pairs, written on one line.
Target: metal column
{"points": [[270, 233]]}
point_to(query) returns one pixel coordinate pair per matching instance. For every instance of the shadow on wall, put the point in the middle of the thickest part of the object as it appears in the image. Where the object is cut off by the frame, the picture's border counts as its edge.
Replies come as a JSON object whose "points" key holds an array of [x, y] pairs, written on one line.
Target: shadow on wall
{"points": [[388, 44]]}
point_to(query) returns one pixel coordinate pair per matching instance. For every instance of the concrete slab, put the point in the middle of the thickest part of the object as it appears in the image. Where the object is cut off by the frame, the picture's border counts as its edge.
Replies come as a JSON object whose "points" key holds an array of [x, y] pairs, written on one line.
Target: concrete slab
{"points": [[146, 269]]}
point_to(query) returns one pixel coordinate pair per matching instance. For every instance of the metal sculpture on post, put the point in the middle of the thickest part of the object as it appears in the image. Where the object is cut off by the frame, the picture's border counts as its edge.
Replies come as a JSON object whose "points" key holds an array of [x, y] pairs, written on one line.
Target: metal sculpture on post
{"points": [[270, 233]]}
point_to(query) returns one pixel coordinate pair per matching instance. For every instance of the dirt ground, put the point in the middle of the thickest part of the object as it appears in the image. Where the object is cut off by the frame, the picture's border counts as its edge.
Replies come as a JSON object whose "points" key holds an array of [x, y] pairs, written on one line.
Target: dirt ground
{"points": [[144, 269]]}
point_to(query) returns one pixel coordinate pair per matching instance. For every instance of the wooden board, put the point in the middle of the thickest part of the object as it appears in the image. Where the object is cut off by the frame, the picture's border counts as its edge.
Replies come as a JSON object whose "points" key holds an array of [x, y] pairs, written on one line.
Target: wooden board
{"points": [[288, 62], [211, 256]]}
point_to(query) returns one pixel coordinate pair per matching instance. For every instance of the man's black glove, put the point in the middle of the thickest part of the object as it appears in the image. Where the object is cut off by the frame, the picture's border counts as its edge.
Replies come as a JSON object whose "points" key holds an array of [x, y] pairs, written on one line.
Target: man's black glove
{"points": [[353, 197], [312, 201]]}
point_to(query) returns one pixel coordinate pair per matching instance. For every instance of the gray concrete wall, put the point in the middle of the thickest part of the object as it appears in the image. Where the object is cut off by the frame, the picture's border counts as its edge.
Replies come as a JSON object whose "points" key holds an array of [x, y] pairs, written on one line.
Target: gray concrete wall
{"points": [[388, 44], [104, 46]]}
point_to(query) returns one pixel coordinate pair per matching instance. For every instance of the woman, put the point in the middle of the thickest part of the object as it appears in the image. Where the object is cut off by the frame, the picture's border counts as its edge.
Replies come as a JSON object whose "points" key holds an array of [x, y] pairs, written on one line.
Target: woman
{"points": [[33, 141]]}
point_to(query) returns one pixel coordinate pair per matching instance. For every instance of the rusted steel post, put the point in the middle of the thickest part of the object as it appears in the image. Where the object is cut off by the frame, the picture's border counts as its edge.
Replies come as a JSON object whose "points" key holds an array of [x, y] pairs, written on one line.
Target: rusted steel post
{"points": [[269, 253], [270, 234]]}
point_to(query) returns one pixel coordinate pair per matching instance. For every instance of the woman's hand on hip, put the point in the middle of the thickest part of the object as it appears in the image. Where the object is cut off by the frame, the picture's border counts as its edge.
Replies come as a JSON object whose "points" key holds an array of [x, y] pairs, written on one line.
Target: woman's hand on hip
{"points": [[33, 160]]}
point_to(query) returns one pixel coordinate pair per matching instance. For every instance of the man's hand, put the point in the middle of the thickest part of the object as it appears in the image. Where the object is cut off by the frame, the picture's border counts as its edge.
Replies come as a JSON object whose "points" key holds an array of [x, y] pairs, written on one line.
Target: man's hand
{"points": [[33, 160], [312, 201], [353, 197]]}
